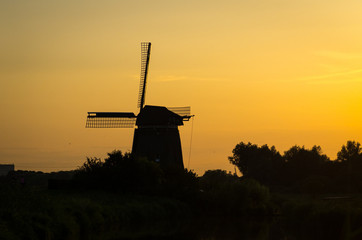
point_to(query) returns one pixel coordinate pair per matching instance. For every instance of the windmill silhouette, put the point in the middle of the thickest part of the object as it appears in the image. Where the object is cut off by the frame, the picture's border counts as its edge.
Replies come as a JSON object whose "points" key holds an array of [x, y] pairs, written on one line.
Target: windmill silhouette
{"points": [[156, 136]]}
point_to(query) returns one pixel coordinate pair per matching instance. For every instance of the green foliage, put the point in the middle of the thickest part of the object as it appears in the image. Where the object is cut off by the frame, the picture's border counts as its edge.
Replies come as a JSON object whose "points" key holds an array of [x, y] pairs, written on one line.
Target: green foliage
{"points": [[214, 178], [301, 163], [349, 162], [352, 151], [323, 219], [261, 163], [300, 169], [227, 194], [91, 166], [301, 155], [314, 185], [120, 172], [33, 214], [180, 183], [123, 173]]}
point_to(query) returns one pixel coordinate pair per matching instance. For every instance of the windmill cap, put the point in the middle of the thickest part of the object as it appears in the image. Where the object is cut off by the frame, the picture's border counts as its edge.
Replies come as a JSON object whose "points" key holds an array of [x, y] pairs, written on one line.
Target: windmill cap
{"points": [[158, 116]]}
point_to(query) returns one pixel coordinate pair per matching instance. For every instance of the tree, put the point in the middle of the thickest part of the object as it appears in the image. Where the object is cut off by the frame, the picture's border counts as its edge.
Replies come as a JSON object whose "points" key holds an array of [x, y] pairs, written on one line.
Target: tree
{"points": [[352, 151], [261, 163], [124, 173], [229, 194], [302, 156], [216, 178], [349, 159], [91, 165], [302, 163], [121, 172]]}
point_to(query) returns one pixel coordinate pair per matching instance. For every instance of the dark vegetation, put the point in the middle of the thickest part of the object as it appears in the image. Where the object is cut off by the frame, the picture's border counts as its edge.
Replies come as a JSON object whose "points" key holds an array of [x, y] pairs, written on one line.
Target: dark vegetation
{"points": [[301, 170], [300, 194], [312, 193]]}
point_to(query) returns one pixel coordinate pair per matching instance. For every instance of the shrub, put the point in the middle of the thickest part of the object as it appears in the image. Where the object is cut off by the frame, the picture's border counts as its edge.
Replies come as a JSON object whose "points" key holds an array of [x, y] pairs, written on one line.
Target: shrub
{"points": [[227, 194]]}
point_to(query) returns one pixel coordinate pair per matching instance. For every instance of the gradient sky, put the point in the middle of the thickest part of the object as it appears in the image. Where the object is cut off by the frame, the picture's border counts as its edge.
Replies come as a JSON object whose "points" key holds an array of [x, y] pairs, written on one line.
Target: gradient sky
{"points": [[274, 72]]}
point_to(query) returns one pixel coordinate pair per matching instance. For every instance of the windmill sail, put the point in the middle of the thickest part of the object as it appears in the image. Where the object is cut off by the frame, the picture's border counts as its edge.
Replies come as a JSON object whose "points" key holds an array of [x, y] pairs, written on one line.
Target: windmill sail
{"points": [[184, 112], [145, 60], [110, 120]]}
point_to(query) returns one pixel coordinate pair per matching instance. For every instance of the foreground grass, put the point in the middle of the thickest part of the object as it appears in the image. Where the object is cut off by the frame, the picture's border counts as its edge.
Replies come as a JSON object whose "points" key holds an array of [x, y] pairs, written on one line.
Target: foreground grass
{"points": [[34, 212], [245, 209], [27, 213], [320, 216]]}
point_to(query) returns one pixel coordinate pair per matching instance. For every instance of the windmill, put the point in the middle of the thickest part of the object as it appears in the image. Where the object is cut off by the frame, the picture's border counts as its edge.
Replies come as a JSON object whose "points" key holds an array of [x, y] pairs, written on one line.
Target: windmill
{"points": [[156, 136]]}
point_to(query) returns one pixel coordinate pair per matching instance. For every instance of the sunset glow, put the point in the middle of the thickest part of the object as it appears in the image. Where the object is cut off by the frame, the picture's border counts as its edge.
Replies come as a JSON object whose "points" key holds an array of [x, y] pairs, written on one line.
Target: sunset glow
{"points": [[270, 72]]}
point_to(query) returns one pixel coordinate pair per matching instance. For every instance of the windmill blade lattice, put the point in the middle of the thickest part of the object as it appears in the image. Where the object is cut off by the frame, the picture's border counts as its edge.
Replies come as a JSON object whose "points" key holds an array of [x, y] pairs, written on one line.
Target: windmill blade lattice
{"points": [[182, 111], [145, 60], [110, 120]]}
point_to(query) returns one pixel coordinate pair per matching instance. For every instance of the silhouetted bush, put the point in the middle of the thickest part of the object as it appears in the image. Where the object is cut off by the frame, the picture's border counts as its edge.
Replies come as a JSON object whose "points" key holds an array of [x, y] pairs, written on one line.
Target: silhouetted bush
{"points": [[323, 219], [260, 163], [124, 173], [181, 184], [26, 213], [229, 195], [301, 170], [120, 172], [300, 163]]}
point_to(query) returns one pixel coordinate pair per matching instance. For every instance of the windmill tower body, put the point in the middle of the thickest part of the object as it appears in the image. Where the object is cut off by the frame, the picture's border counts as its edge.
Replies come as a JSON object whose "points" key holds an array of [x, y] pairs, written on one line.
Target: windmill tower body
{"points": [[156, 136]]}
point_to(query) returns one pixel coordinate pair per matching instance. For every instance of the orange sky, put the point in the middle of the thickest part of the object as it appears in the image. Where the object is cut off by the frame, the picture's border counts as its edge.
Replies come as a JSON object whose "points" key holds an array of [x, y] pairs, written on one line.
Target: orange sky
{"points": [[274, 72]]}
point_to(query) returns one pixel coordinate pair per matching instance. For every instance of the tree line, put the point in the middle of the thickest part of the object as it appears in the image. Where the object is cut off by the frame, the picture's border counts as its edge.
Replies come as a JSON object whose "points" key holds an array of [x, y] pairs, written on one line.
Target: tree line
{"points": [[300, 169]]}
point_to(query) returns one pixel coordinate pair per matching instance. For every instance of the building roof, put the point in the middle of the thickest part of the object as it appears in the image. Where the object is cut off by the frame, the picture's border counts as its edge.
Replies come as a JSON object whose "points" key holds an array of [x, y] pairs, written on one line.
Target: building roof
{"points": [[158, 116]]}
